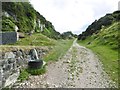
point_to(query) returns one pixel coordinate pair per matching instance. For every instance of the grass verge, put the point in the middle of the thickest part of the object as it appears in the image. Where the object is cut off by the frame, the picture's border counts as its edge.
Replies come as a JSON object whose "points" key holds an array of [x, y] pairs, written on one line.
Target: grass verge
{"points": [[58, 50], [36, 39], [108, 57]]}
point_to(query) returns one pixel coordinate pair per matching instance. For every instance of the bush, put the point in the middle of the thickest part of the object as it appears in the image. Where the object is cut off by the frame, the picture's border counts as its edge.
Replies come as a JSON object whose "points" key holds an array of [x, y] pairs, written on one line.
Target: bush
{"points": [[8, 25]]}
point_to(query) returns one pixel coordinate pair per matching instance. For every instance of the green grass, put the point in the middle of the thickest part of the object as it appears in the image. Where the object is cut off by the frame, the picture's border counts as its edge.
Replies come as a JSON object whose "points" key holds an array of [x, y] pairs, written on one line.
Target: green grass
{"points": [[23, 75], [36, 39], [108, 57], [108, 53], [58, 50], [36, 71]]}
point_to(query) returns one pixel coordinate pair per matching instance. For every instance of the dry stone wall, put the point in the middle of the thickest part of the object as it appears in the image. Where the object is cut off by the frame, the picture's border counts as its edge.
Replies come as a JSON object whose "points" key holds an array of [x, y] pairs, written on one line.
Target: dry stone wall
{"points": [[11, 63]]}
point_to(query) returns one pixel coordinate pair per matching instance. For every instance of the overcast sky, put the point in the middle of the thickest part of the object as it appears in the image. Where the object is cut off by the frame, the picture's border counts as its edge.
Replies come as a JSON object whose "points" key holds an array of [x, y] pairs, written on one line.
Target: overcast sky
{"points": [[73, 15]]}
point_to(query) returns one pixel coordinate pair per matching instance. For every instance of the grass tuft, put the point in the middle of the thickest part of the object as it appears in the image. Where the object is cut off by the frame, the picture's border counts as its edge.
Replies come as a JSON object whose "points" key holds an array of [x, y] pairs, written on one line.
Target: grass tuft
{"points": [[36, 71], [23, 75]]}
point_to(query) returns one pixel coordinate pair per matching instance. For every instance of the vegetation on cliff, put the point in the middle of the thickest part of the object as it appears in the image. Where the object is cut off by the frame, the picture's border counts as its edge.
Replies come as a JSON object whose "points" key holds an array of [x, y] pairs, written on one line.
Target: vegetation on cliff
{"points": [[26, 18]]}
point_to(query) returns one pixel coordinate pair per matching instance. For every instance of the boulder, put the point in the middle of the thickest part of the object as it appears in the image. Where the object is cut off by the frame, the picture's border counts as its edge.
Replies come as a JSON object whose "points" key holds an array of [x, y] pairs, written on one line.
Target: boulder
{"points": [[9, 55], [21, 35], [12, 79], [19, 53], [34, 55]]}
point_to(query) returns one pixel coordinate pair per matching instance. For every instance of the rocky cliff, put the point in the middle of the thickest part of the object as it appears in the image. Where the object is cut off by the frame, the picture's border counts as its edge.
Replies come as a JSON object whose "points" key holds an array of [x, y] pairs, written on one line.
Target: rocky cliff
{"points": [[22, 17]]}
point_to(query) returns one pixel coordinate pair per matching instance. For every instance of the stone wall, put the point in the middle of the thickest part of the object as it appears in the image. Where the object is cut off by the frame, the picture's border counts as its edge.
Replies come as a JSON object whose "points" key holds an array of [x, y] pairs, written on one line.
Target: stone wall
{"points": [[11, 62], [10, 67], [8, 37]]}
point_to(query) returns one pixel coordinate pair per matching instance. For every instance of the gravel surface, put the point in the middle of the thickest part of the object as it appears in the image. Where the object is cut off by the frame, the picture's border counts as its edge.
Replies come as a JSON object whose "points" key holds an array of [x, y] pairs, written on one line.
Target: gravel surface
{"points": [[79, 68]]}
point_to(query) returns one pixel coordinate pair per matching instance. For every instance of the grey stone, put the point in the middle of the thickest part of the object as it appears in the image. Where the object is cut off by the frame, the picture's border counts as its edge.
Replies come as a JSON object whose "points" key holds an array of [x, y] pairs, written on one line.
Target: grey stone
{"points": [[1, 72], [6, 75], [5, 62], [9, 55], [19, 54], [1, 63], [1, 54], [6, 68], [11, 60], [14, 65], [12, 79], [19, 61], [16, 28], [34, 55], [0, 84], [21, 35]]}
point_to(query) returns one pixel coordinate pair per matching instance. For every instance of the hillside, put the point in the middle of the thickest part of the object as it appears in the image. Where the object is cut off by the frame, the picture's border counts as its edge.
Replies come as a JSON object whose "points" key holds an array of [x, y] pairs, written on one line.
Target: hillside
{"points": [[102, 38], [97, 25], [107, 36], [22, 16]]}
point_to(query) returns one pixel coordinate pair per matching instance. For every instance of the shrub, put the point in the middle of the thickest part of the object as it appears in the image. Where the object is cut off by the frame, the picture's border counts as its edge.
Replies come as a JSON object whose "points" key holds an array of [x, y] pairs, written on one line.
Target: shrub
{"points": [[8, 25]]}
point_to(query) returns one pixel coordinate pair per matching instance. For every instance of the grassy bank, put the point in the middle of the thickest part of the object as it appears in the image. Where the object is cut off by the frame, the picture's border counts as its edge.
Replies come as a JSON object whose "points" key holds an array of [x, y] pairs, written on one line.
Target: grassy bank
{"points": [[60, 48], [37, 39]]}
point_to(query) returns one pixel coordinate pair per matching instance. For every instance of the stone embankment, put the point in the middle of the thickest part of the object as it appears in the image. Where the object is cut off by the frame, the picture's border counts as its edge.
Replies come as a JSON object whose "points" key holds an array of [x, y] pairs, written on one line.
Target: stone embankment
{"points": [[12, 60]]}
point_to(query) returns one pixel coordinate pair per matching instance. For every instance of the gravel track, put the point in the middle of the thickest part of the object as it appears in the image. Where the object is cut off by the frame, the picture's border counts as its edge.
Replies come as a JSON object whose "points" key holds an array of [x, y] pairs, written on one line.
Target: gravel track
{"points": [[79, 68]]}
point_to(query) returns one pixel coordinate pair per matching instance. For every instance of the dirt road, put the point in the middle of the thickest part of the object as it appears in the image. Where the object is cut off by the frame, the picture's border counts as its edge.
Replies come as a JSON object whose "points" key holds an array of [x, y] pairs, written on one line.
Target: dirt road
{"points": [[79, 68]]}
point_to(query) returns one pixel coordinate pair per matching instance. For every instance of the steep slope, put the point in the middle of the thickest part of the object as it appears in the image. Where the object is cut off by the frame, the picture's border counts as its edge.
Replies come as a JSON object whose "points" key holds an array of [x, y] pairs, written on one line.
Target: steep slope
{"points": [[97, 25], [107, 36], [23, 16]]}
